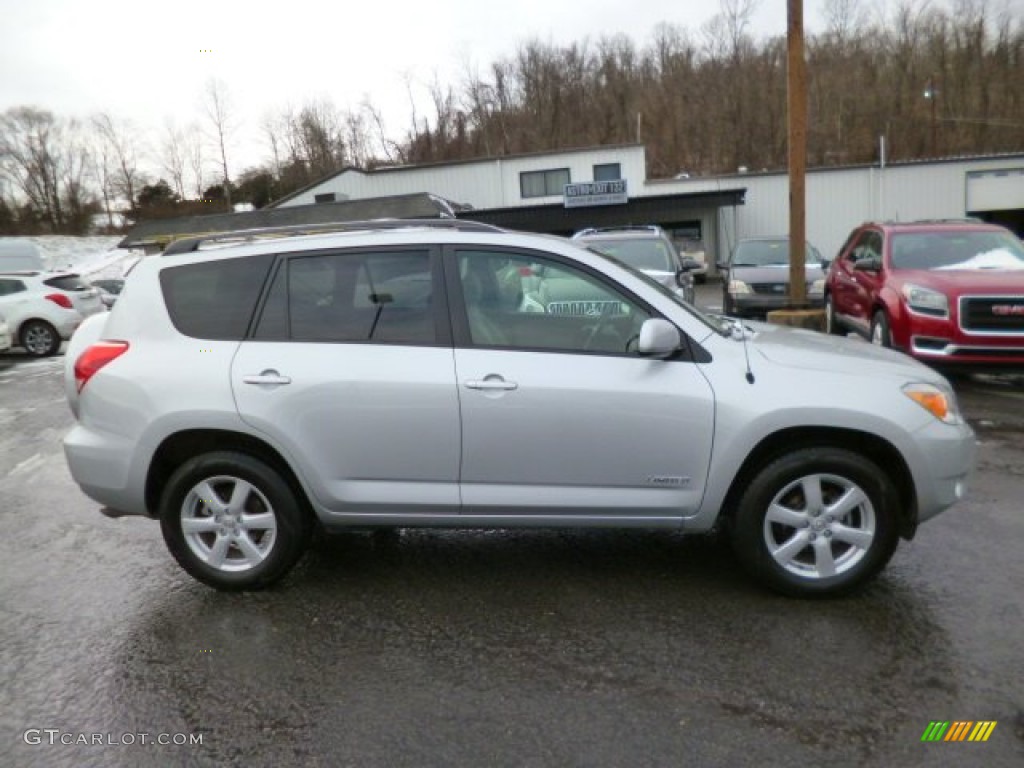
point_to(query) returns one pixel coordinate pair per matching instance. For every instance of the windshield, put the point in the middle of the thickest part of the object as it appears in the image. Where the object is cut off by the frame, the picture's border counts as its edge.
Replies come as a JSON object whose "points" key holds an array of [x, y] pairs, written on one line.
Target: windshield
{"points": [[641, 253], [957, 251], [767, 253]]}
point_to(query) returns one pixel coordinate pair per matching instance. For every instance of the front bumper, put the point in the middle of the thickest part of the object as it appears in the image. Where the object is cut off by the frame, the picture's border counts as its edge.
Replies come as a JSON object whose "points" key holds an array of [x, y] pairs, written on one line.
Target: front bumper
{"points": [[939, 341], [942, 467], [760, 303]]}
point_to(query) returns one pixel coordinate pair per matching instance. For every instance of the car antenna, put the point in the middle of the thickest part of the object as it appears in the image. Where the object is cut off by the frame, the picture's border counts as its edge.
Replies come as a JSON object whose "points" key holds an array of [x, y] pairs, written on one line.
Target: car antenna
{"points": [[738, 326]]}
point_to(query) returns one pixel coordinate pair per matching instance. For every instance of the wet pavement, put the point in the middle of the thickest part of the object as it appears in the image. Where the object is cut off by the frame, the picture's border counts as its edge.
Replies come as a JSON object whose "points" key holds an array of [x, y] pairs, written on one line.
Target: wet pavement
{"points": [[543, 648]]}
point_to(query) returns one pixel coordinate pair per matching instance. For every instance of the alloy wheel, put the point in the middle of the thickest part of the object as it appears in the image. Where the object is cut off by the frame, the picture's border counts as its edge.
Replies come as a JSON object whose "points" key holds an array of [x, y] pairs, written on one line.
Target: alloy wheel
{"points": [[819, 526]]}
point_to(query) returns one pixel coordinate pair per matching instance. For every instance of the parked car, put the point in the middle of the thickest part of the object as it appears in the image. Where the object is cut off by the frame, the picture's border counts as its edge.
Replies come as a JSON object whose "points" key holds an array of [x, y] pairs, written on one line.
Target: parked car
{"points": [[755, 280], [950, 293], [648, 249], [109, 288], [444, 373], [6, 342], [42, 308], [17, 253]]}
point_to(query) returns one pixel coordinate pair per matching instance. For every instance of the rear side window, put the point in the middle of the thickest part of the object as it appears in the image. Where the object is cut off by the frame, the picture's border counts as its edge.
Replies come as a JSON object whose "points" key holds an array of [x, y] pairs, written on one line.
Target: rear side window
{"points": [[214, 299], [376, 296], [67, 283], [7, 287]]}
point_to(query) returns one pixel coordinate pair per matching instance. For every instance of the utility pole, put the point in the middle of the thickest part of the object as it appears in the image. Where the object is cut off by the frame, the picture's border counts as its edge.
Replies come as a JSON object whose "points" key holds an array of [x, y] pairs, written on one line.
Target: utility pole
{"points": [[931, 93], [796, 93]]}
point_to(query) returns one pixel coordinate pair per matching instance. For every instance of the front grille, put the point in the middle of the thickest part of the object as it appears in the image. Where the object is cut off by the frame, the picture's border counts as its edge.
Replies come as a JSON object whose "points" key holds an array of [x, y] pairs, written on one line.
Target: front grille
{"points": [[770, 289], [992, 314]]}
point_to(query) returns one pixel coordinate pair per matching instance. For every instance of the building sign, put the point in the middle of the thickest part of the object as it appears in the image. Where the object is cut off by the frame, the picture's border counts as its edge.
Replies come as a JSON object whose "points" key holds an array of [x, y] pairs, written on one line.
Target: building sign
{"points": [[589, 193]]}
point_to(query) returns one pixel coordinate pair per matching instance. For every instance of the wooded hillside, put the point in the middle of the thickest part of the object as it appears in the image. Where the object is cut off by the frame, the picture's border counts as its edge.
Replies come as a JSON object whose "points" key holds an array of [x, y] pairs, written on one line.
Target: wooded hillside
{"points": [[935, 81]]}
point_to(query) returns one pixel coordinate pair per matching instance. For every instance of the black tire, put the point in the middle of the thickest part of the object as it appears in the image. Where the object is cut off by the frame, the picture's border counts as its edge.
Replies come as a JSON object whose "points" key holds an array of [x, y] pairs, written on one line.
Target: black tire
{"points": [[253, 554], [39, 338], [831, 322], [727, 306], [880, 333], [859, 540]]}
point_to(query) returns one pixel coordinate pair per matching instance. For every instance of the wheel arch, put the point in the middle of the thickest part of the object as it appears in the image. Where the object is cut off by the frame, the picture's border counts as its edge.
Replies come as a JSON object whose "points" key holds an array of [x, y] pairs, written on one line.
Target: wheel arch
{"points": [[880, 451], [181, 446]]}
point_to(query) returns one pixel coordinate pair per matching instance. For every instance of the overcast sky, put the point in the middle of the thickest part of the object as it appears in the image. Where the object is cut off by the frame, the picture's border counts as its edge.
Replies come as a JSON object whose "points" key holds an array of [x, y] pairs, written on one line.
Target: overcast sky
{"points": [[148, 61]]}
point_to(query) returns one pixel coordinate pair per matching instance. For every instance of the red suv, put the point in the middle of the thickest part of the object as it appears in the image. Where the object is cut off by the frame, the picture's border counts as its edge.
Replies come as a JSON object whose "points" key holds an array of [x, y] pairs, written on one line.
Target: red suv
{"points": [[947, 292]]}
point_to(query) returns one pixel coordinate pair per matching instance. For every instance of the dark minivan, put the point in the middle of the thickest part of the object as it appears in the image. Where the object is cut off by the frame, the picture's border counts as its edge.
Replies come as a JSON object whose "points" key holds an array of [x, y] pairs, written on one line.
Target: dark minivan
{"points": [[756, 279]]}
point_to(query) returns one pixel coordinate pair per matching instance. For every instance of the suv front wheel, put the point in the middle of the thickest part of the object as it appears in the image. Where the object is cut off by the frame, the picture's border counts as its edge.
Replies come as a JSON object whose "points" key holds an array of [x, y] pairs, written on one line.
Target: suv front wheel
{"points": [[232, 521], [818, 521]]}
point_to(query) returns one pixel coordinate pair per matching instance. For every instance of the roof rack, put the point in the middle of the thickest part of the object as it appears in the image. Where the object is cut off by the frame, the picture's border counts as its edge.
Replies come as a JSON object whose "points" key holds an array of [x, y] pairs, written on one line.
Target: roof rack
{"points": [[952, 220], [623, 228], [192, 244]]}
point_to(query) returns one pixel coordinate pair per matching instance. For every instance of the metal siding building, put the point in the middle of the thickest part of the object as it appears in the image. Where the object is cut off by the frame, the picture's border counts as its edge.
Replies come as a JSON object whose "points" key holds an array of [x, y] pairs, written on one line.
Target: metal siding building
{"points": [[839, 199], [720, 210]]}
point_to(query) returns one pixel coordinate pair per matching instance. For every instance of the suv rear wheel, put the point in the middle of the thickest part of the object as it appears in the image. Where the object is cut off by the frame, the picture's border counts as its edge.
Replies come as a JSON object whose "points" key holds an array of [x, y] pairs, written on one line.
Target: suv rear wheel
{"points": [[818, 521], [232, 521], [39, 338]]}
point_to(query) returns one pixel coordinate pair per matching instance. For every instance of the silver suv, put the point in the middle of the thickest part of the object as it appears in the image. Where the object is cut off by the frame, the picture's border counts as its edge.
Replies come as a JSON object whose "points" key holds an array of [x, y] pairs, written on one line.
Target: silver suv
{"points": [[648, 249], [245, 390]]}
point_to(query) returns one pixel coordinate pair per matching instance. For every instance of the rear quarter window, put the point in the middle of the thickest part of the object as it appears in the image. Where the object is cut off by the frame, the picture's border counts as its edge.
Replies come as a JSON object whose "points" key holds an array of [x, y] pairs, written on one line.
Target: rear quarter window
{"points": [[214, 299], [67, 283]]}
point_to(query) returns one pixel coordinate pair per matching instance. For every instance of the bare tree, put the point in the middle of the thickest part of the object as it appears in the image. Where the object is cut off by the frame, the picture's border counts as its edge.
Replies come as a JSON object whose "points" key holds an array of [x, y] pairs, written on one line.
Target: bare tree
{"points": [[46, 159], [120, 142], [843, 18], [193, 138], [174, 156], [103, 175], [218, 107]]}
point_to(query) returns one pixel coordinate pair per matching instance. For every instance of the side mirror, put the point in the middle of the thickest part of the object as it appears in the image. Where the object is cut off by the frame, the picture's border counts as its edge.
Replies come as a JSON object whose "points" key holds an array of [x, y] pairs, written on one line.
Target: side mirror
{"points": [[658, 338], [683, 277], [825, 264]]}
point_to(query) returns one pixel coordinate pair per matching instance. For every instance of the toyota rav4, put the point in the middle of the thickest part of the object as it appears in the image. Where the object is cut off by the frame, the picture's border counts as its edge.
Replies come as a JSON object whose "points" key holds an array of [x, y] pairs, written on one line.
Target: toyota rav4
{"points": [[247, 388]]}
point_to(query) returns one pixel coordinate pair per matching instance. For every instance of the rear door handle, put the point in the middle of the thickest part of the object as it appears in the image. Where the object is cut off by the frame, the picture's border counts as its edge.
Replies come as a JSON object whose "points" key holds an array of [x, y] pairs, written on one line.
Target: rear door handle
{"points": [[268, 376], [491, 383]]}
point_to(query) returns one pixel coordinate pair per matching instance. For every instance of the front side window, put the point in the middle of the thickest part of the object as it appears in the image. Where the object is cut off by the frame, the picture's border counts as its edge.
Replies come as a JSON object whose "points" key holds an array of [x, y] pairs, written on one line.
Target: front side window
{"points": [[543, 183], [520, 302], [377, 296], [868, 248]]}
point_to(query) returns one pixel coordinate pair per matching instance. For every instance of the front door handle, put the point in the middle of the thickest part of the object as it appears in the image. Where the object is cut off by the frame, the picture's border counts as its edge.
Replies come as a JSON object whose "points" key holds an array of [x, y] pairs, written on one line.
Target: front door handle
{"points": [[268, 376], [492, 382]]}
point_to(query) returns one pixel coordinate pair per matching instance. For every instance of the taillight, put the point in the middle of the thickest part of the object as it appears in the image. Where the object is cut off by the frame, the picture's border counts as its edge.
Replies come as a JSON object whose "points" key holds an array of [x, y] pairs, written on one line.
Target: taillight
{"points": [[60, 300], [95, 357]]}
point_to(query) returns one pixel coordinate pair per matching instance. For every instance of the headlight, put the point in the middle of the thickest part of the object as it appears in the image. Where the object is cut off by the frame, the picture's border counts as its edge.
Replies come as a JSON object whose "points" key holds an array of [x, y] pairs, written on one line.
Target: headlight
{"points": [[818, 286], [738, 286], [940, 403], [925, 300]]}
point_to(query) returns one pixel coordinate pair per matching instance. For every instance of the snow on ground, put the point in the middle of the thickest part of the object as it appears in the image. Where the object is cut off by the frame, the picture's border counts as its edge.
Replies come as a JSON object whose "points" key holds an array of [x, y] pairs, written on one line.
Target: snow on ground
{"points": [[92, 256]]}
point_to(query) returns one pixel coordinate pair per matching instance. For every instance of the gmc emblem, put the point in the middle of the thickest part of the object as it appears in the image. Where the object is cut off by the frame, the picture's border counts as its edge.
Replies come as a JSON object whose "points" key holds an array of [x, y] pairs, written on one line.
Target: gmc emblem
{"points": [[1004, 310]]}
